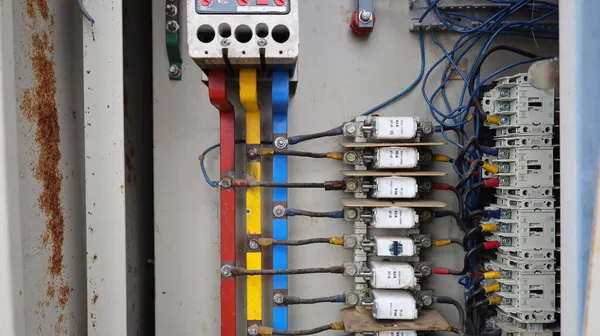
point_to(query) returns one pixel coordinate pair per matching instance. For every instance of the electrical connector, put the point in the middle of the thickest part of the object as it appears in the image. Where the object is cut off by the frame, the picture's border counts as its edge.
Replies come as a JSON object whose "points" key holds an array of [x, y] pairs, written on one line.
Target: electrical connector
{"points": [[488, 227]]}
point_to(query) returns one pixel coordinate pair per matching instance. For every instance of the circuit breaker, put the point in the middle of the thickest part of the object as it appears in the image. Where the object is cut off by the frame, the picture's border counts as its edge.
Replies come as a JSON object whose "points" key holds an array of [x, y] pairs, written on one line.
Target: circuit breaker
{"points": [[236, 34]]}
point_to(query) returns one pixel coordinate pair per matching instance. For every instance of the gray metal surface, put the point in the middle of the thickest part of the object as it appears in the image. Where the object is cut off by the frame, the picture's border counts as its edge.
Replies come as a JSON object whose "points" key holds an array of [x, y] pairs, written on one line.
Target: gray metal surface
{"points": [[12, 314], [342, 76]]}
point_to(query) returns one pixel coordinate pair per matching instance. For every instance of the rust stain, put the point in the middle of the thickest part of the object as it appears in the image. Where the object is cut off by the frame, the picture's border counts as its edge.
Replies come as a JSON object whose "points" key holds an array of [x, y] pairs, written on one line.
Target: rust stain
{"points": [[63, 295], [94, 298], [39, 106], [20, 293], [50, 291]]}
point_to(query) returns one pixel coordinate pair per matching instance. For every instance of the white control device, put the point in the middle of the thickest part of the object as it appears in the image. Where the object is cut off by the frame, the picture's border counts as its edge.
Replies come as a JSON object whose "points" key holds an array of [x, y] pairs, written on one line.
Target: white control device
{"points": [[394, 305], [394, 218], [389, 246], [395, 187], [392, 275], [397, 128], [395, 157]]}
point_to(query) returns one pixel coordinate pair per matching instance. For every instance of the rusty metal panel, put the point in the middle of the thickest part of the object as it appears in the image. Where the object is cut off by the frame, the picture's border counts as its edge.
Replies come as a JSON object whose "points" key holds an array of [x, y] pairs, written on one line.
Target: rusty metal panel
{"points": [[50, 158]]}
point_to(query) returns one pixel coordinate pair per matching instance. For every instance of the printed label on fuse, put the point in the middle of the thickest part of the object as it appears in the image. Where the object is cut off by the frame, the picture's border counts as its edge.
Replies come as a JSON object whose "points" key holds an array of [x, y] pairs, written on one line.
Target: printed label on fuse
{"points": [[394, 305], [390, 275], [396, 157], [394, 246], [394, 218], [395, 187], [398, 333], [395, 128]]}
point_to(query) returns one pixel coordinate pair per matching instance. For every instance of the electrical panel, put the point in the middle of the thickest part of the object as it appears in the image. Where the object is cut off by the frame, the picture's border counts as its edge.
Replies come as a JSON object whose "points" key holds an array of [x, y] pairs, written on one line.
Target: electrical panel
{"points": [[506, 182]]}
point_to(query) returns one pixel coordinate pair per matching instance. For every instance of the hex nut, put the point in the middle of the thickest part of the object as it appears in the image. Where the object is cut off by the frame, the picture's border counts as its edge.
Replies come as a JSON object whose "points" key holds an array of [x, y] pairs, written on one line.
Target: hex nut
{"points": [[226, 271], [427, 128], [350, 129], [351, 213], [253, 244], [279, 211], [350, 270], [278, 298], [281, 143], [172, 26], [352, 299], [350, 157], [253, 330], [350, 242], [174, 71], [351, 185]]}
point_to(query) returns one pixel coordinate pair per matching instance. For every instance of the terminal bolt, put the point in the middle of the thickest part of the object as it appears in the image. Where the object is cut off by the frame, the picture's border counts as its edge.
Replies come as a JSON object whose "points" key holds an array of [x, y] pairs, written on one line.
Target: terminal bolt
{"points": [[253, 330], [279, 211], [278, 298], [365, 16], [252, 153], [350, 269], [174, 71], [172, 26], [281, 143], [504, 121], [350, 242], [261, 42], [504, 93], [351, 185], [171, 10], [350, 213], [226, 271], [350, 129], [350, 157], [253, 244], [352, 299]]}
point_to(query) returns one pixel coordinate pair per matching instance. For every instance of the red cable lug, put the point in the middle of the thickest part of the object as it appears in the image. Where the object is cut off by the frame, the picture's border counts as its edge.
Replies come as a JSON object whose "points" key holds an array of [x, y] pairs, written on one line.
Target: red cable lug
{"points": [[491, 183], [491, 245], [355, 25], [239, 183], [441, 186], [217, 92], [439, 270]]}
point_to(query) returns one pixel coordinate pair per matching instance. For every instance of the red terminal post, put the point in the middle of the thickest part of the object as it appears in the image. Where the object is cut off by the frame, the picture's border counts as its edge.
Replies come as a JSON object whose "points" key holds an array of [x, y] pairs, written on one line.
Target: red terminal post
{"points": [[355, 24], [205, 2]]}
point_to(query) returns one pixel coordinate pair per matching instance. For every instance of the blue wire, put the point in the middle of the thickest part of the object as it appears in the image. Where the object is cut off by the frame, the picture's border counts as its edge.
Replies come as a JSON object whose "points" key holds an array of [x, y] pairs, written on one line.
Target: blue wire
{"points": [[210, 182], [411, 86], [85, 12]]}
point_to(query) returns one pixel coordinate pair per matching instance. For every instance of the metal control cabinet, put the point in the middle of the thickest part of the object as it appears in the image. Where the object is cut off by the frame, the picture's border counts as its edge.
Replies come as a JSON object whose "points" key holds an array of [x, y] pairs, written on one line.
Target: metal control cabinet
{"points": [[103, 272]]}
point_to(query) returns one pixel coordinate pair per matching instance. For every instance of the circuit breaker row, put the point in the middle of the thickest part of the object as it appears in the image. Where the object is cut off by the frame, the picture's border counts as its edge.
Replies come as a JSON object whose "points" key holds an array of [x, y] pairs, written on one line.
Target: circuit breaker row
{"points": [[523, 119]]}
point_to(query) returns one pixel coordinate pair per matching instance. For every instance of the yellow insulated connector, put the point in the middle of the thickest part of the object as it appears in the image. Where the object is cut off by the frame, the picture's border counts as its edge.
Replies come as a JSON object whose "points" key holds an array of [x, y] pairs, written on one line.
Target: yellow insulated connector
{"points": [[442, 242], [495, 300], [336, 240], [265, 331], [441, 158], [492, 288], [335, 155], [493, 120], [265, 242], [488, 228], [490, 167], [492, 275], [337, 326], [266, 152]]}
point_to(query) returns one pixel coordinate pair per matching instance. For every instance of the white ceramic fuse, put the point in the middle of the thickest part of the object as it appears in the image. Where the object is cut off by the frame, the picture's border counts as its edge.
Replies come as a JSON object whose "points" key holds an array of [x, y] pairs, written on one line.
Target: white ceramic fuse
{"points": [[388, 246], [392, 275], [395, 128], [395, 157], [395, 187], [394, 305], [394, 218], [397, 333]]}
